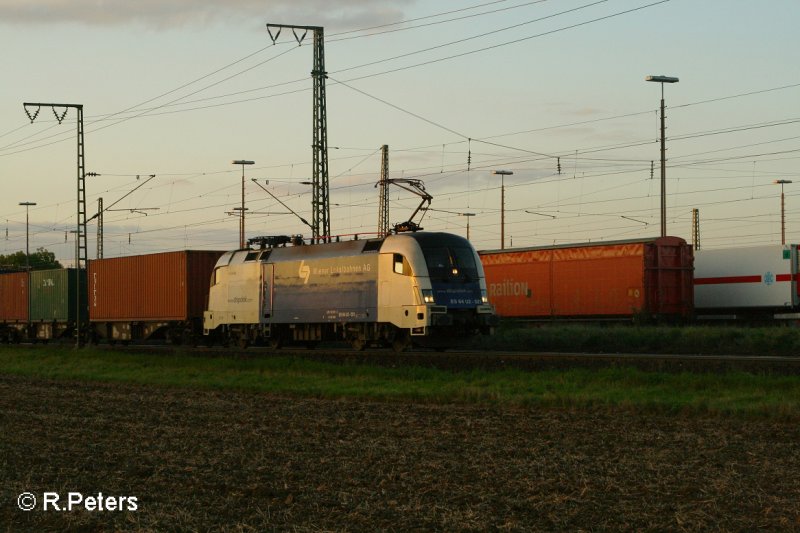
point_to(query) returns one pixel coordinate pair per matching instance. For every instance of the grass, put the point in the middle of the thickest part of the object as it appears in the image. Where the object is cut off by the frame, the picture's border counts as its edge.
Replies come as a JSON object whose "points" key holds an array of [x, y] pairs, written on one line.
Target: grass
{"points": [[729, 394], [708, 340]]}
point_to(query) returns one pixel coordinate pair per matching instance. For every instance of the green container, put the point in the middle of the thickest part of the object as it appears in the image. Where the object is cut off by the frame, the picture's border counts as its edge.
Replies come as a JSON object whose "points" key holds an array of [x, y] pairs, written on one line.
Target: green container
{"points": [[54, 293]]}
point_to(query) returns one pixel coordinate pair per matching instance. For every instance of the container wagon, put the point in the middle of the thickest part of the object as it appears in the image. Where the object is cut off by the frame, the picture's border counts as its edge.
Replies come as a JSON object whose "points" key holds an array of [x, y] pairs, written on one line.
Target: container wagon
{"points": [[13, 306], [642, 279], [759, 282], [54, 308], [140, 297]]}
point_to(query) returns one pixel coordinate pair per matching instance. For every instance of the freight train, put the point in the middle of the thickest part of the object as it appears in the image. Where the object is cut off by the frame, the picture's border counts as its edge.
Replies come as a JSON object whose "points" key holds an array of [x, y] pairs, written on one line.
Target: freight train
{"points": [[416, 288], [422, 288]]}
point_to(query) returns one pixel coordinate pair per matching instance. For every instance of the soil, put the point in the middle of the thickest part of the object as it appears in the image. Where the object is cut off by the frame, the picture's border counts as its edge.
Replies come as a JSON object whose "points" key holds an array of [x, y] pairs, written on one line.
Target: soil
{"points": [[235, 461]]}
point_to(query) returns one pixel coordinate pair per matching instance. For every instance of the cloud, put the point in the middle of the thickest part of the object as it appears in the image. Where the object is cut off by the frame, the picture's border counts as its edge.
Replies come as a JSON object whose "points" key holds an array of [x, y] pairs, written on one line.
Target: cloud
{"points": [[168, 14]]}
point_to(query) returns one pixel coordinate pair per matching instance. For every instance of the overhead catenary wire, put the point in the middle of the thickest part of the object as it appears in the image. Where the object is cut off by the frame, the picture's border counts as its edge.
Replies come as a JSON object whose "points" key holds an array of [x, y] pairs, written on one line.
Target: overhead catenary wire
{"points": [[769, 154], [616, 14]]}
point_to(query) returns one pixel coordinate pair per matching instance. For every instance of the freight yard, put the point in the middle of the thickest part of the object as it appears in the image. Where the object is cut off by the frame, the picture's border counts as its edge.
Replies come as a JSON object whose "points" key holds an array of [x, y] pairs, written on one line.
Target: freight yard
{"points": [[595, 330]]}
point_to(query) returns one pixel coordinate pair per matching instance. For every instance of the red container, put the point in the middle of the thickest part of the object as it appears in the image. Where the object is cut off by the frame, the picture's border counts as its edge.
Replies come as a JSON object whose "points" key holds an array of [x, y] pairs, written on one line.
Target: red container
{"points": [[616, 279], [14, 297], [170, 286]]}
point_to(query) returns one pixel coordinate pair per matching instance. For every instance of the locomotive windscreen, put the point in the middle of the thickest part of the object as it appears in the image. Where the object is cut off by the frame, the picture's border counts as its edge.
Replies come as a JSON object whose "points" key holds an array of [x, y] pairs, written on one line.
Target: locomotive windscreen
{"points": [[448, 257]]}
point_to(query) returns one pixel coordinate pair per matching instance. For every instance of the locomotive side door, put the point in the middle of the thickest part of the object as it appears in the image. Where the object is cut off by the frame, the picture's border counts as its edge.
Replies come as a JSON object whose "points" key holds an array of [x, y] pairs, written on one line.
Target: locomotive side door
{"points": [[267, 286]]}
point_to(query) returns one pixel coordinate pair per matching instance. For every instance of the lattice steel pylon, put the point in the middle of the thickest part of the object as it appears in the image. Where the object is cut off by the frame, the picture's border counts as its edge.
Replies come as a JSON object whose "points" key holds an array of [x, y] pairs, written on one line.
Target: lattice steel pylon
{"points": [[100, 228], [81, 254], [320, 220], [696, 229], [383, 204]]}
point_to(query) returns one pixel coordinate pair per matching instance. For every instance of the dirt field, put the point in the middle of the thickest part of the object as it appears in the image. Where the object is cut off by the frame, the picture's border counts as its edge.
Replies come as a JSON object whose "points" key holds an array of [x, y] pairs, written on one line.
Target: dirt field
{"points": [[223, 461]]}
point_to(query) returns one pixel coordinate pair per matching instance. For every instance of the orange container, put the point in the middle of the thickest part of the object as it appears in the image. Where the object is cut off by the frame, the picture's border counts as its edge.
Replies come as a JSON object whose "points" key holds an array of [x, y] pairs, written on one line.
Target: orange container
{"points": [[170, 286], [14, 297], [614, 279]]}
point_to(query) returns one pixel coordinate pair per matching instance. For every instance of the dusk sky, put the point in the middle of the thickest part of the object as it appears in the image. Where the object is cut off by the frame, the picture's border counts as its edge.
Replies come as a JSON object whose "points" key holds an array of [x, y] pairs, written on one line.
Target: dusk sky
{"points": [[553, 90]]}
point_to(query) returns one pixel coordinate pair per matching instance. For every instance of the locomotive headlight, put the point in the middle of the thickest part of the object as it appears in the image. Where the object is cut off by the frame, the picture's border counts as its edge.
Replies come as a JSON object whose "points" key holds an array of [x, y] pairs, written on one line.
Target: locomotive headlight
{"points": [[484, 297], [427, 296]]}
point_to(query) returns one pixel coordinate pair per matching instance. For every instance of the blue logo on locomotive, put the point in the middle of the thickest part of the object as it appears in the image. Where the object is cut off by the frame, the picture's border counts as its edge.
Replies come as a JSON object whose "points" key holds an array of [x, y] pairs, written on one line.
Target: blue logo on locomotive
{"points": [[456, 295]]}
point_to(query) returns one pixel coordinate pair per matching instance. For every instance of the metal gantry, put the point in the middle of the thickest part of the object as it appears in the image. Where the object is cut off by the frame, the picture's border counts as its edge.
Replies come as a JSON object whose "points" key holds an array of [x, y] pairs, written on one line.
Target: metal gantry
{"points": [[320, 220], [81, 222], [383, 204]]}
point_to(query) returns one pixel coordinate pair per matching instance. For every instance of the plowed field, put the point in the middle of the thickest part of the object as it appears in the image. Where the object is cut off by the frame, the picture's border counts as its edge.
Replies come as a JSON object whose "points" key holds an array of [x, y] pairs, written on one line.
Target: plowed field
{"points": [[229, 461]]}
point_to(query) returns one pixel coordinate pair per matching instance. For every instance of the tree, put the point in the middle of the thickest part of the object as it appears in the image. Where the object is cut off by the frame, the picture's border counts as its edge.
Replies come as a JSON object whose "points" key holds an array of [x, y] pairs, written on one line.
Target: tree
{"points": [[41, 259]]}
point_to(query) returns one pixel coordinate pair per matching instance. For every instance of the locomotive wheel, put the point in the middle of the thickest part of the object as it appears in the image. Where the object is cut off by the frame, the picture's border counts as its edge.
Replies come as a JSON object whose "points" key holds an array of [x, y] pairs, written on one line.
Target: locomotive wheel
{"points": [[358, 344], [174, 338], [275, 343], [401, 342]]}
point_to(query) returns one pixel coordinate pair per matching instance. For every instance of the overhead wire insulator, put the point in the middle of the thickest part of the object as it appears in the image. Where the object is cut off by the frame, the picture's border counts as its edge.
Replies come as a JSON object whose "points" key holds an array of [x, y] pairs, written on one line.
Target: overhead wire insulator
{"points": [[59, 118], [274, 37], [300, 38], [35, 114]]}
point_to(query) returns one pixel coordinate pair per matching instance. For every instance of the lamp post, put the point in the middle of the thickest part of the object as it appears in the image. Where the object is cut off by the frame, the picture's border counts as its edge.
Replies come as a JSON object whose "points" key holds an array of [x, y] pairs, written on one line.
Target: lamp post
{"points": [[503, 174], [242, 162], [27, 235], [783, 211], [662, 80]]}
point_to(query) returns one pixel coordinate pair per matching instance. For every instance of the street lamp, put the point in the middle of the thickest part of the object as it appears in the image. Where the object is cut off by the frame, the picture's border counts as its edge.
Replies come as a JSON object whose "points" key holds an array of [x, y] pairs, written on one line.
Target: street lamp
{"points": [[662, 80], [27, 235], [242, 162], [783, 211], [503, 174]]}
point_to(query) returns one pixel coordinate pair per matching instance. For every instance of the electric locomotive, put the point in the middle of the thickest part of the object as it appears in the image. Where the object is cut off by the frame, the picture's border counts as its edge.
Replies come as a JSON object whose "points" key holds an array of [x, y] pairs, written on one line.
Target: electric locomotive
{"points": [[422, 288]]}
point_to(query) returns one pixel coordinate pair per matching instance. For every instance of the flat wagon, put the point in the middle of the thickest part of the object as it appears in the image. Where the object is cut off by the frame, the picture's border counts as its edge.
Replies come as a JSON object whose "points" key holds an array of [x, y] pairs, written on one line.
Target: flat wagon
{"points": [[161, 295], [650, 279]]}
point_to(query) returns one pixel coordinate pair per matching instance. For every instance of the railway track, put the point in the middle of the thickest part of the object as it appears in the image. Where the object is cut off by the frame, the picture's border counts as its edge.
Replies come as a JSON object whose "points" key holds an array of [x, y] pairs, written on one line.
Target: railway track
{"points": [[460, 360], [538, 361]]}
